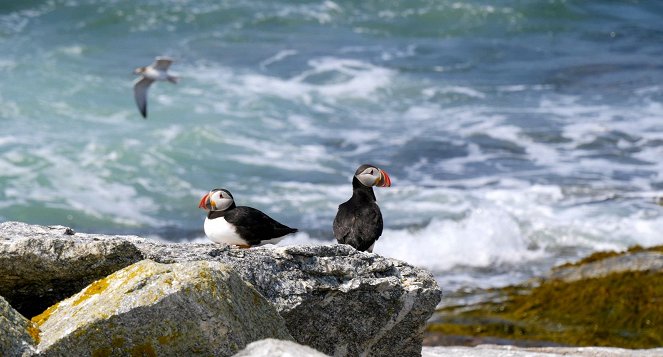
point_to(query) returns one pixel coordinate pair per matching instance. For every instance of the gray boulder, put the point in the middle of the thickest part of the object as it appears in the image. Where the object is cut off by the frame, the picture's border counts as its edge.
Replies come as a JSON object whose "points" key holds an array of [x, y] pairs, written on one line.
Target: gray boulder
{"points": [[278, 348], [40, 266], [193, 308], [17, 334], [333, 298]]}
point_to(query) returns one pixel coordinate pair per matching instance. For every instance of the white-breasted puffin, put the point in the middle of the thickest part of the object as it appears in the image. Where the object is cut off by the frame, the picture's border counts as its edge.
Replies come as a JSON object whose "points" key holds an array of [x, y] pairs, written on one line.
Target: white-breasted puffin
{"points": [[359, 220], [157, 71], [239, 225]]}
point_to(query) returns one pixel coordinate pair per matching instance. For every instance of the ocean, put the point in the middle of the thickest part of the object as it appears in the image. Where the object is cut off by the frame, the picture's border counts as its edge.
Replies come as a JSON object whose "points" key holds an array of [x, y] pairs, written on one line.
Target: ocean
{"points": [[517, 134]]}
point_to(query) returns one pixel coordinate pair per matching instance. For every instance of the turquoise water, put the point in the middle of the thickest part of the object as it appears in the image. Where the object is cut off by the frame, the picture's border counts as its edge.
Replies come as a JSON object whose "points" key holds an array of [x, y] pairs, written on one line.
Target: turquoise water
{"points": [[518, 134]]}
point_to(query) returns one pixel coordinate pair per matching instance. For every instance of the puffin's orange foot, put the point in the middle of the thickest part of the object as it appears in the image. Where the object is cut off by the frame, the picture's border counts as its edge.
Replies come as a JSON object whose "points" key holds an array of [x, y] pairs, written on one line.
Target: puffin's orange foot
{"points": [[242, 246]]}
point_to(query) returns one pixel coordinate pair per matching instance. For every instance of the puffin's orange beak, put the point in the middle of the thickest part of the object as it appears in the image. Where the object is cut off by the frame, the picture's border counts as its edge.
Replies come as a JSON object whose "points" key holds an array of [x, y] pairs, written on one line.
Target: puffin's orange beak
{"points": [[384, 180], [204, 202]]}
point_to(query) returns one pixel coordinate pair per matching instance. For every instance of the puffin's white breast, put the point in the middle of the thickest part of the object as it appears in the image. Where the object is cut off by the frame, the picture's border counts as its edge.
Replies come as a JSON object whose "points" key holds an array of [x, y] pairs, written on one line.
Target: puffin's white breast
{"points": [[220, 231]]}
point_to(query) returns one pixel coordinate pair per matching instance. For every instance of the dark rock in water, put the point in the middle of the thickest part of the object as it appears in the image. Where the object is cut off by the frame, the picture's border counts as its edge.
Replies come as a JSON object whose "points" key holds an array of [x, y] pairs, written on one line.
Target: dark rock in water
{"points": [[333, 298], [40, 266], [201, 308], [607, 299], [651, 261], [511, 351]]}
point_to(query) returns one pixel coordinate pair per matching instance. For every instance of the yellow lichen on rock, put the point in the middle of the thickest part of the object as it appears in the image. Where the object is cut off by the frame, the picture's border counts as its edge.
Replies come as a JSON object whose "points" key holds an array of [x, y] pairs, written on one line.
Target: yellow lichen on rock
{"points": [[33, 331], [150, 309], [41, 318], [93, 289]]}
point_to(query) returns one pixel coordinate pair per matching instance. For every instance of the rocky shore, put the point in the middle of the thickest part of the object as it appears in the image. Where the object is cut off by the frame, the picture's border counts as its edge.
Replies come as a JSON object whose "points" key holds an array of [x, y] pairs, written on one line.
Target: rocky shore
{"points": [[607, 299], [67, 293], [64, 293]]}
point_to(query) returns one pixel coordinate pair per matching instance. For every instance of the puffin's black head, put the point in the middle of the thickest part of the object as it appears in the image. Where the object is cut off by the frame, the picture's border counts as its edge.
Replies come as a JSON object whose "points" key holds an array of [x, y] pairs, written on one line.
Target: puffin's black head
{"points": [[370, 175], [219, 199]]}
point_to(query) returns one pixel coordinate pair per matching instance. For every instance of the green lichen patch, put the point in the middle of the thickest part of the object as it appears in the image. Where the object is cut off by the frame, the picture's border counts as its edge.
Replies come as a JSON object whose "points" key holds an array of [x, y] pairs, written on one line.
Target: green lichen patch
{"points": [[620, 309], [102, 352], [168, 339], [118, 342], [143, 350]]}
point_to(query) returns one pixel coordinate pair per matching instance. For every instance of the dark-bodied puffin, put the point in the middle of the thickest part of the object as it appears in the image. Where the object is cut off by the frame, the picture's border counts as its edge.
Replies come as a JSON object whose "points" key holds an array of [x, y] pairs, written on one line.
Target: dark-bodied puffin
{"points": [[359, 220], [239, 225]]}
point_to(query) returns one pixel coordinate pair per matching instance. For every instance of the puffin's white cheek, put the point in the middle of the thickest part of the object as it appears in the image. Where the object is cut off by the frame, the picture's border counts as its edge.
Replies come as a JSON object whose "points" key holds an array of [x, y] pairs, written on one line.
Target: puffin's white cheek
{"points": [[367, 180], [223, 203]]}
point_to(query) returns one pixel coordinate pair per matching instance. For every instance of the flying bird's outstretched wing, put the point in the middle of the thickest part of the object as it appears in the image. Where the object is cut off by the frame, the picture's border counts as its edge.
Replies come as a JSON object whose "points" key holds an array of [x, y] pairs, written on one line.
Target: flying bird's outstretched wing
{"points": [[162, 63], [140, 94]]}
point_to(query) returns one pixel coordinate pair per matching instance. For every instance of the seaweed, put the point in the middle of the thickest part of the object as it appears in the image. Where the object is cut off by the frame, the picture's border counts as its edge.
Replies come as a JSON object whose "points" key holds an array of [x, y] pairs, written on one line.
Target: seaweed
{"points": [[620, 309]]}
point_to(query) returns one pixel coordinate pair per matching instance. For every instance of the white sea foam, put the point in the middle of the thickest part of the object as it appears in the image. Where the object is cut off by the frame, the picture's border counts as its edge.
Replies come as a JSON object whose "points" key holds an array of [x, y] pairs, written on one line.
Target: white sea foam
{"points": [[279, 56], [359, 80], [484, 238]]}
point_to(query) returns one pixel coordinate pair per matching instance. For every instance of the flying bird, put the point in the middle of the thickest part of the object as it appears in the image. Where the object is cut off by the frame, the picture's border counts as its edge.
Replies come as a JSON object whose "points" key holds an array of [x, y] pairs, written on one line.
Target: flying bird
{"points": [[358, 221], [157, 71], [239, 225]]}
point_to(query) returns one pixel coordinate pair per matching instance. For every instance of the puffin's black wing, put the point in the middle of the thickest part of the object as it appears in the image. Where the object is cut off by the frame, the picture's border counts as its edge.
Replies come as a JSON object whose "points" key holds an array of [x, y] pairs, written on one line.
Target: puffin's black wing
{"points": [[254, 226], [358, 225]]}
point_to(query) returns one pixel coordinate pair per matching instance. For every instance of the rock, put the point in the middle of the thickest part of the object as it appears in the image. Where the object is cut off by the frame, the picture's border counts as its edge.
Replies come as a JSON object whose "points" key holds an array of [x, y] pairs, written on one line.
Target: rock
{"points": [[148, 308], [605, 299], [333, 298], [510, 351], [651, 261], [42, 265], [17, 334], [278, 348]]}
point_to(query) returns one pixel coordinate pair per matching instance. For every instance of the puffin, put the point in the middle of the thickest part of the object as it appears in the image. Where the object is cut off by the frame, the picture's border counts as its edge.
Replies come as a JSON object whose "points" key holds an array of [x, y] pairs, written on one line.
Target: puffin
{"points": [[157, 71], [358, 221], [241, 226]]}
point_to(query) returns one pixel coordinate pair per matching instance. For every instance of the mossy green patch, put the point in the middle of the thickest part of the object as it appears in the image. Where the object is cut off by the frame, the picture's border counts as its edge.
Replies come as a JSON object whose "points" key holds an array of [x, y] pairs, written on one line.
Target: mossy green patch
{"points": [[143, 350], [118, 342], [168, 339], [102, 352], [621, 309]]}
